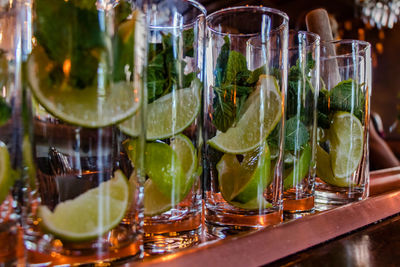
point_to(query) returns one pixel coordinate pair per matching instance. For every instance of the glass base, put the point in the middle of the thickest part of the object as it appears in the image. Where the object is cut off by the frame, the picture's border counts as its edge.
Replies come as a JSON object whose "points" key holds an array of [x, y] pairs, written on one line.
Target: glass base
{"points": [[328, 197], [117, 255], [129, 253], [288, 216], [298, 205], [170, 236], [216, 231], [224, 218], [155, 244]]}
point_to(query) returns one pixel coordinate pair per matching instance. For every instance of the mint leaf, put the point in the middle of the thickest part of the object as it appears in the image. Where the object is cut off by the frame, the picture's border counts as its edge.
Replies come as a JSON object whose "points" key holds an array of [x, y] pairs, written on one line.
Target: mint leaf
{"points": [[5, 111], [188, 41], [164, 70], [300, 96], [347, 96], [255, 74], [236, 69], [74, 36], [222, 61], [224, 113], [296, 134]]}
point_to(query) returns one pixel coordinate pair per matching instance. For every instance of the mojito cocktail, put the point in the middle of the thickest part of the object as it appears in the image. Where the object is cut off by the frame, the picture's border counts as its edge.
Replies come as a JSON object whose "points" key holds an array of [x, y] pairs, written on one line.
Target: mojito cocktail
{"points": [[84, 72], [243, 116], [172, 196], [300, 129], [343, 119]]}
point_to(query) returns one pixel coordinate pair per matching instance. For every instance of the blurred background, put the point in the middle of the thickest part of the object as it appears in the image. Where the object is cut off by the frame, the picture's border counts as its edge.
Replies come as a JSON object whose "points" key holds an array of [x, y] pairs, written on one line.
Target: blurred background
{"points": [[375, 21]]}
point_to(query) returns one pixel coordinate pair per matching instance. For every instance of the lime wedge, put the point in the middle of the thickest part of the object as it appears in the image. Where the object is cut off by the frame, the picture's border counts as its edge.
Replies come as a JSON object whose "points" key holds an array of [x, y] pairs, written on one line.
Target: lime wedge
{"points": [[260, 114], [168, 115], [186, 153], [172, 171], [6, 180], [299, 170], [91, 214], [89, 107], [241, 182], [155, 202], [324, 170], [346, 139], [163, 167]]}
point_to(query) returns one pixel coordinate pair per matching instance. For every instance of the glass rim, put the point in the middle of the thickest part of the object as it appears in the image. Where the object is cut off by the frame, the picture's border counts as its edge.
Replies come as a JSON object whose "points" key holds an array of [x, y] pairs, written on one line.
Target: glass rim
{"points": [[192, 3], [364, 46], [316, 42], [274, 11]]}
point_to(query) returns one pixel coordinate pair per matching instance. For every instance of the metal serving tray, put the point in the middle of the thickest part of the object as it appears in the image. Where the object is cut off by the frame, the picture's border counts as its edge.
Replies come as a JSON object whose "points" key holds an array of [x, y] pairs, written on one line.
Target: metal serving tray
{"points": [[276, 242]]}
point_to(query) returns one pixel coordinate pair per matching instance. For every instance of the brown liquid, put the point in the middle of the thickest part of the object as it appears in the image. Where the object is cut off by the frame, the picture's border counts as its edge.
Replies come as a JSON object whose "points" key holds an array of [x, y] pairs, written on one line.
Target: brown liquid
{"points": [[298, 205], [227, 215], [57, 259]]}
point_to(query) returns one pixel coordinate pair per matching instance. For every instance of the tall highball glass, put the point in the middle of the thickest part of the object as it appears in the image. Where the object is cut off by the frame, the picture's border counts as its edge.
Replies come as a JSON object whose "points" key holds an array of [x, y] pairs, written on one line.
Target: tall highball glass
{"points": [[172, 196], [343, 120], [244, 102], [12, 131], [300, 129], [85, 72]]}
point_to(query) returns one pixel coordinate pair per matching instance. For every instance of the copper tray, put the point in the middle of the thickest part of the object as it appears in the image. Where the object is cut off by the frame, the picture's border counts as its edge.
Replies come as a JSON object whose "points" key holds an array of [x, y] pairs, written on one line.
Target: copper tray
{"points": [[275, 242]]}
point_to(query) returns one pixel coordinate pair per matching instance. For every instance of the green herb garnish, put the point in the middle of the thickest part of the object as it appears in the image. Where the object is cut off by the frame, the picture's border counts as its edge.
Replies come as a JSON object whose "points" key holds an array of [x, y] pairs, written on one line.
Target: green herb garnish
{"points": [[234, 82], [75, 37], [5, 111], [165, 70]]}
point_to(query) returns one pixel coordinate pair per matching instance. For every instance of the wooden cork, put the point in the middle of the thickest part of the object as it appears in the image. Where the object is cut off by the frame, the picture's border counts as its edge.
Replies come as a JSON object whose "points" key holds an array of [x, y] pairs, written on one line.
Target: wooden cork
{"points": [[317, 21]]}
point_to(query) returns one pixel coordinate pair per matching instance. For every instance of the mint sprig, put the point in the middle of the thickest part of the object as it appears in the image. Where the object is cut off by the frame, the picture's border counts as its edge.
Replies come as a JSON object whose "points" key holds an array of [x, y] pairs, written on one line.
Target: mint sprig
{"points": [[345, 96], [234, 82], [165, 71]]}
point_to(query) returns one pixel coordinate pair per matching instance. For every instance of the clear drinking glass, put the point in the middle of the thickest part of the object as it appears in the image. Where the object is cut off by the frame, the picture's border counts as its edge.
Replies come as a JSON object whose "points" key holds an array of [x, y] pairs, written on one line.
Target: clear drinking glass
{"points": [[85, 73], [12, 131], [246, 72], [343, 119], [172, 196], [300, 134]]}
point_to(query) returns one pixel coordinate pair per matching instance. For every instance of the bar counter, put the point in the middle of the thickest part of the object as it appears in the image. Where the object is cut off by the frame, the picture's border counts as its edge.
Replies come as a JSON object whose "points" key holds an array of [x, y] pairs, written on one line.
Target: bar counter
{"points": [[365, 233]]}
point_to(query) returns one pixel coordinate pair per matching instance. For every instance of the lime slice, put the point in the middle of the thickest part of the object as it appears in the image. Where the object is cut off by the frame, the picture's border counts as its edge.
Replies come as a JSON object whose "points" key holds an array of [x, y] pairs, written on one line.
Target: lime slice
{"points": [[91, 214], [299, 170], [346, 139], [261, 112], [155, 202], [324, 170], [163, 167], [186, 153], [6, 179], [89, 107], [172, 171], [168, 115], [244, 181]]}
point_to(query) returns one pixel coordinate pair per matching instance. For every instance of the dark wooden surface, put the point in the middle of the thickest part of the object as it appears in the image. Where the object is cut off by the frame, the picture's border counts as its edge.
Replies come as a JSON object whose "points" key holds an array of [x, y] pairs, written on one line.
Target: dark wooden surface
{"points": [[375, 245]]}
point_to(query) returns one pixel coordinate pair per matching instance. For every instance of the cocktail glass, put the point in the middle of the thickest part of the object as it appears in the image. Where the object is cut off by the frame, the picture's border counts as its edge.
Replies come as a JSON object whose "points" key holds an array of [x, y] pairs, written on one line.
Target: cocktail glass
{"points": [[13, 132], [343, 120], [300, 129], [246, 72], [85, 73], [172, 196]]}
